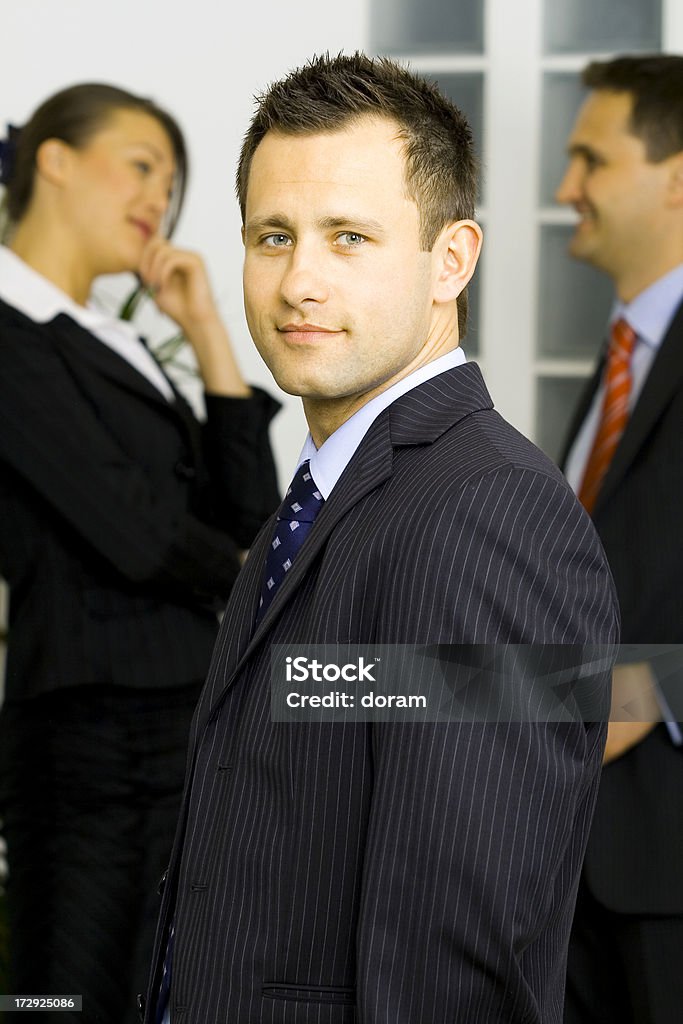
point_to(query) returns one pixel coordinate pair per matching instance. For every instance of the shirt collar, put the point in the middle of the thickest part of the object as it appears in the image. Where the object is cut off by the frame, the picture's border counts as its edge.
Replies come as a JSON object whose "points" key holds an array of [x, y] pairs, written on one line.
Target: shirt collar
{"points": [[39, 299], [651, 312], [330, 460]]}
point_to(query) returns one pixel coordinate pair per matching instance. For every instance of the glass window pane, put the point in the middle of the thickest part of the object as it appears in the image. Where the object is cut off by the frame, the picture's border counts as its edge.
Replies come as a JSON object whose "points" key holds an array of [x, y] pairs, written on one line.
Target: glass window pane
{"points": [[596, 26], [574, 300], [563, 94], [467, 92], [556, 400], [427, 26]]}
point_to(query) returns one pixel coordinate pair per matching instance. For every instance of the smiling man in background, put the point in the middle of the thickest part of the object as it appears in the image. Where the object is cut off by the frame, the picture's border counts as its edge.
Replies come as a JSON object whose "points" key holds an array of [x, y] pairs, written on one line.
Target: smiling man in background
{"points": [[405, 872], [624, 459]]}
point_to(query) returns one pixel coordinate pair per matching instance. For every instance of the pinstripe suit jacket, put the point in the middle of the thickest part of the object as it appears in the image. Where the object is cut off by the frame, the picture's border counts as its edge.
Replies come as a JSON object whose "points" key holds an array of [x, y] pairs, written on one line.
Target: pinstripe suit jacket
{"points": [[635, 852], [120, 520], [394, 873]]}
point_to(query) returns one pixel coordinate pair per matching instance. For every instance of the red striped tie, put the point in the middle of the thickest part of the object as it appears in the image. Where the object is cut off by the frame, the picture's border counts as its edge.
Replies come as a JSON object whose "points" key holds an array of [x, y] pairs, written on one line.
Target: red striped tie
{"points": [[614, 413]]}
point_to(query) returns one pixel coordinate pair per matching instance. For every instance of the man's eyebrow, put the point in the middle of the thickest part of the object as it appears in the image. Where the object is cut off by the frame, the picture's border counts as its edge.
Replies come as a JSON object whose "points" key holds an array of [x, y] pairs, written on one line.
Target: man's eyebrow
{"points": [[582, 149], [279, 222], [274, 221], [360, 224]]}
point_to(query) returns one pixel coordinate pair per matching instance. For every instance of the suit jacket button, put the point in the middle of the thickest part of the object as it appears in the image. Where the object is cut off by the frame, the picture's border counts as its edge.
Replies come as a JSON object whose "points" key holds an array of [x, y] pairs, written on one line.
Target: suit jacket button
{"points": [[141, 1006], [185, 471]]}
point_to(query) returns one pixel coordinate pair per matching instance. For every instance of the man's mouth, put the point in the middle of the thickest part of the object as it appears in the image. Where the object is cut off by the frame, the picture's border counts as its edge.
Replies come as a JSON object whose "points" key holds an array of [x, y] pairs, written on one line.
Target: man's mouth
{"points": [[307, 332], [585, 215]]}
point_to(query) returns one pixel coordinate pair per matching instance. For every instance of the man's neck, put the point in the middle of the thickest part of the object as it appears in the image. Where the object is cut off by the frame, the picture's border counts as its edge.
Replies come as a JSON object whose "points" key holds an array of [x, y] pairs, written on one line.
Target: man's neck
{"points": [[325, 415], [629, 285]]}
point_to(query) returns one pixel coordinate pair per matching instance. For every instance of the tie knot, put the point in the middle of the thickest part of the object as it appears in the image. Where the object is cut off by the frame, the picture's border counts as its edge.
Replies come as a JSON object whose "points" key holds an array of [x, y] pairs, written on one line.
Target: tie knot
{"points": [[622, 340], [303, 499]]}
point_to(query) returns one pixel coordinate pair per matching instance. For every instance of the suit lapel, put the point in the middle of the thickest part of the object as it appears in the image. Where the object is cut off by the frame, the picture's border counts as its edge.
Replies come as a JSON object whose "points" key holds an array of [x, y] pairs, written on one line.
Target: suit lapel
{"points": [[418, 417], [662, 383], [368, 469], [77, 344]]}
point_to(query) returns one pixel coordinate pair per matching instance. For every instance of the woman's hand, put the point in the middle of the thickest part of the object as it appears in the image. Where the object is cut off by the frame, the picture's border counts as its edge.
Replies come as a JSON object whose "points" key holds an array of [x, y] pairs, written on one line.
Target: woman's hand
{"points": [[180, 286]]}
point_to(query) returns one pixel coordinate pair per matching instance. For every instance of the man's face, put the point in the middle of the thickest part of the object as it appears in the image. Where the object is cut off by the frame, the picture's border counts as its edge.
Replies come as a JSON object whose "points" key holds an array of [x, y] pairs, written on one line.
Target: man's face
{"points": [[619, 194], [338, 294]]}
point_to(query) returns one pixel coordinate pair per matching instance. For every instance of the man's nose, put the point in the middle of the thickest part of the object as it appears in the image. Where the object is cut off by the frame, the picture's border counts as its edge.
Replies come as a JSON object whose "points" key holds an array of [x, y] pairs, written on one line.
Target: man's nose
{"points": [[304, 279], [569, 189]]}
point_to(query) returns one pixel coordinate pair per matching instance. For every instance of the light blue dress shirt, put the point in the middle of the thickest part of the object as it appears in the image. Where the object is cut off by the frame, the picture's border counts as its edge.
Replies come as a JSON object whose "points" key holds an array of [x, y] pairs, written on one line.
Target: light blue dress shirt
{"points": [[650, 315]]}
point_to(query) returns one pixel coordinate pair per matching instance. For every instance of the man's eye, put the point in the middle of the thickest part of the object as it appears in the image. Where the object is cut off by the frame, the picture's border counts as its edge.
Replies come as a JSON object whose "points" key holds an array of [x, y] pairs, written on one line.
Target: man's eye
{"points": [[276, 241], [351, 238], [143, 166]]}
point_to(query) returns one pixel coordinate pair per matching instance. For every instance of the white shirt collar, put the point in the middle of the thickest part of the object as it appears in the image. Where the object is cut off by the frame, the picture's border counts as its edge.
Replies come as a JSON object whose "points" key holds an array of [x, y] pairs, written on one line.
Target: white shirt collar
{"points": [[39, 299], [651, 312]]}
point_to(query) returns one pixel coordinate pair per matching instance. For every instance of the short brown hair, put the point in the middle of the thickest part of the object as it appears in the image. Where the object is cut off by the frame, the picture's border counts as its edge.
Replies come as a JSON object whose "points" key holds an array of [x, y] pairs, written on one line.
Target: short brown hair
{"points": [[655, 81], [328, 93]]}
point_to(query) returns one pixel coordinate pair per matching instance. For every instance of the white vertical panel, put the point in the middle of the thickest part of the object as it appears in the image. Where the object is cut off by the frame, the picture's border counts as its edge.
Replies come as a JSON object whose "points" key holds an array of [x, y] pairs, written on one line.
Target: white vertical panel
{"points": [[512, 116], [672, 22]]}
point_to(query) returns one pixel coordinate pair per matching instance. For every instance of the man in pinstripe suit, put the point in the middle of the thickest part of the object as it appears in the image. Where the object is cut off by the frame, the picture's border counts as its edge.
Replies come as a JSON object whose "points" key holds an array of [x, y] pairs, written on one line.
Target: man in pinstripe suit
{"points": [[381, 872], [624, 178]]}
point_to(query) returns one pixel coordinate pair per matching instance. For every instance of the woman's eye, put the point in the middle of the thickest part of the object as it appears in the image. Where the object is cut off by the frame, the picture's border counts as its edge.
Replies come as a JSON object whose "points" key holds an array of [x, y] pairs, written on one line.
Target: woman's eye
{"points": [[143, 166]]}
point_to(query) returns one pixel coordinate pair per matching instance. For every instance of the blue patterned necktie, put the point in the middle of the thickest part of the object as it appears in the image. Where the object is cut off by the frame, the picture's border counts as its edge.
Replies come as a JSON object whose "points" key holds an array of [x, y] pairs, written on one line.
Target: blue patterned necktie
{"points": [[295, 518]]}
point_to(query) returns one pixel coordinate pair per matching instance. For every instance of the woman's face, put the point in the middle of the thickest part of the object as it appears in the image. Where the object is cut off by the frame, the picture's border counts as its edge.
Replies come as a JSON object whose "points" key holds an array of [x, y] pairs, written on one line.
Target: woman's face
{"points": [[117, 190]]}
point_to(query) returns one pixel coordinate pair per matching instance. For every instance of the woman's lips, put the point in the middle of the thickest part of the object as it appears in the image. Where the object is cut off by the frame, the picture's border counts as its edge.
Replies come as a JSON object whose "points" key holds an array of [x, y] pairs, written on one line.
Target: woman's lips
{"points": [[145, 229]]}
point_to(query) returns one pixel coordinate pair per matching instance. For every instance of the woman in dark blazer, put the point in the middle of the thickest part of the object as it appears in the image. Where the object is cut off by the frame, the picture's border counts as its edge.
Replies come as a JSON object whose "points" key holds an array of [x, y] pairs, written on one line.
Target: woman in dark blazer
{"points": [[122, 523]]}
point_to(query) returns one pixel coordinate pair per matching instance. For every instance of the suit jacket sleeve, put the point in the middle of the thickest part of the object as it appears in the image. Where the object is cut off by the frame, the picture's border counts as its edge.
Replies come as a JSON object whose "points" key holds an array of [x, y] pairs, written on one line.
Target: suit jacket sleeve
{"points": [[240, 462], [477, 830], [52, 437]]}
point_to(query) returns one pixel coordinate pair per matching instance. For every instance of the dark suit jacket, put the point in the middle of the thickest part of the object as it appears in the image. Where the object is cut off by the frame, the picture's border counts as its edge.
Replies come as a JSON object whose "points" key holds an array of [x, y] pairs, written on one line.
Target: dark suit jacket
{"points": [[394, 872], [120, 522], [635, 852]]}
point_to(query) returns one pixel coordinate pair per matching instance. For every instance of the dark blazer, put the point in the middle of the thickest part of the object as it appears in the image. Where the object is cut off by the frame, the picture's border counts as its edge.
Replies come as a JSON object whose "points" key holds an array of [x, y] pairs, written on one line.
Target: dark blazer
{"points": [[121, 521], [394, 872], [635, 852]]}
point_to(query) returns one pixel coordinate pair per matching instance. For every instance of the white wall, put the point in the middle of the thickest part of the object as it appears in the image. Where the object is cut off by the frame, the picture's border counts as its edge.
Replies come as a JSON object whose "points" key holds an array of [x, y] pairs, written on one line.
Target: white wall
{"points": [[204, 60]]}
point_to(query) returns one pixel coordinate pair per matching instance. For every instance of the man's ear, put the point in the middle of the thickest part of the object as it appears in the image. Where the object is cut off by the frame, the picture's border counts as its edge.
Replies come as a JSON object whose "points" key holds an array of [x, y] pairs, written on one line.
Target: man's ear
{"points": [[456, 251], [53, 160]]}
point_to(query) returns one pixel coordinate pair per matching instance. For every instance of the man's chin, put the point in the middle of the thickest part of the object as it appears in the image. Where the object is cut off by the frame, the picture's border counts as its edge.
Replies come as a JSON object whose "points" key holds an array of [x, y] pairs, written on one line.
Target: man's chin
{"points": [[305, 385], [580, 246], [309, 391]]}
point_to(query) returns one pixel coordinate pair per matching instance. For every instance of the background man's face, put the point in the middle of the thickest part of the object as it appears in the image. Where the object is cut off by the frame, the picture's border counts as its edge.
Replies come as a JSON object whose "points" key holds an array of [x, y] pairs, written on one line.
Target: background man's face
{"points": [[338, 294], [617, 192]]}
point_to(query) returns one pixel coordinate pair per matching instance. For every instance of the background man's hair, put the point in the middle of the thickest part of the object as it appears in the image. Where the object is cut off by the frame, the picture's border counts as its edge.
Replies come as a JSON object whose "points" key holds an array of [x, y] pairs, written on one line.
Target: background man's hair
{"points": [[655, 81], [330, 93]]}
